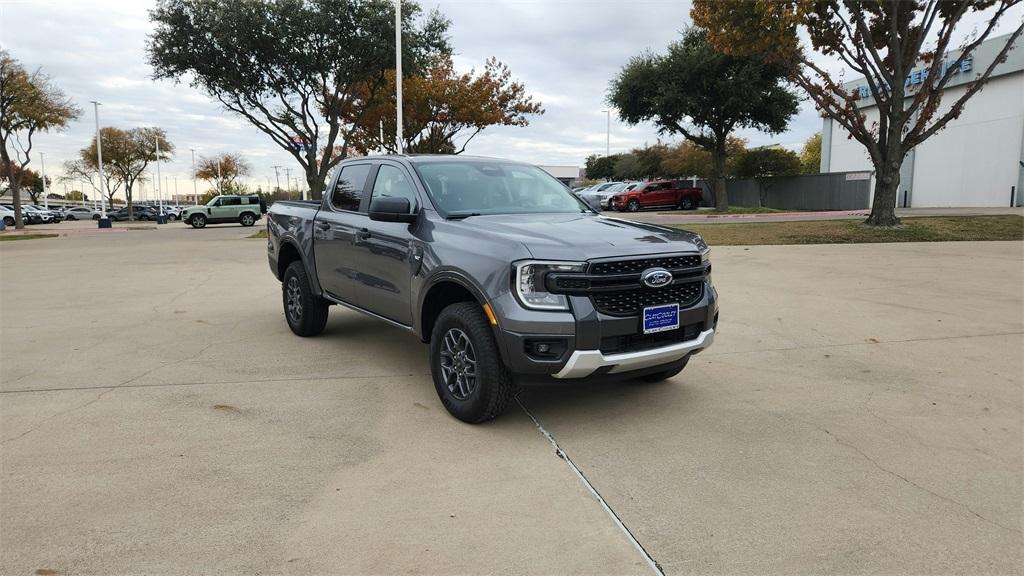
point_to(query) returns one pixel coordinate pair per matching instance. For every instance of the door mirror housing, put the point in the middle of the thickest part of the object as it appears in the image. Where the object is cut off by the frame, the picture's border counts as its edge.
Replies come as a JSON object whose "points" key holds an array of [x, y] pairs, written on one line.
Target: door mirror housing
{"points": [[593, 201], [394, 209]]}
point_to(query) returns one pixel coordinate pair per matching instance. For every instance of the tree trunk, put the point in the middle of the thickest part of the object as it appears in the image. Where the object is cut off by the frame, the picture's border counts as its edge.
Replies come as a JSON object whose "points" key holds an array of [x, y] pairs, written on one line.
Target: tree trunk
{"points": [[15, 189], [887, 183], [316, 186], [718, 178]]}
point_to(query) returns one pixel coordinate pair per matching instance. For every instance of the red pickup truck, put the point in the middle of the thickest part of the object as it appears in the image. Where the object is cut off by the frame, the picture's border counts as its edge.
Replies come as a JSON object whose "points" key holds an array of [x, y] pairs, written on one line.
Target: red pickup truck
{"points": [[657, 194]]}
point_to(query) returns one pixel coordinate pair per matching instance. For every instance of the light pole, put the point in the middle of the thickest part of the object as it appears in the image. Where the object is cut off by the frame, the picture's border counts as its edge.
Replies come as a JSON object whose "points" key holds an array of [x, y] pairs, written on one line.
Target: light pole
{"points": [[195, 190], [42, 168], [278, 177], [220, 189], [608, 133], [159, 191], [288, 179], [398, 75], [104, 222]]}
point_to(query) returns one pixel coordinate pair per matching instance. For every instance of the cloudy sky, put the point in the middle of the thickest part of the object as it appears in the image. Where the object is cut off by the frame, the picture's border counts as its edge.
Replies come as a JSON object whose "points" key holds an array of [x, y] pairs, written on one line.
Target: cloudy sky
{"points": [[565, 51]]}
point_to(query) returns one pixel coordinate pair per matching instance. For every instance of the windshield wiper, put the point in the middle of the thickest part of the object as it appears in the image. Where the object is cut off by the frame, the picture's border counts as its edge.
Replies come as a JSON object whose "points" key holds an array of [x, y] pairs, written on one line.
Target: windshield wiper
{"points": [[461, 215]]}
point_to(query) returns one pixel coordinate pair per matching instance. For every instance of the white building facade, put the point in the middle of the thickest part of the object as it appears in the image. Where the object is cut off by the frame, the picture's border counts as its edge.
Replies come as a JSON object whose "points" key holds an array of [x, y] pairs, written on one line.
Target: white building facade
{"points": [[977, 160]]}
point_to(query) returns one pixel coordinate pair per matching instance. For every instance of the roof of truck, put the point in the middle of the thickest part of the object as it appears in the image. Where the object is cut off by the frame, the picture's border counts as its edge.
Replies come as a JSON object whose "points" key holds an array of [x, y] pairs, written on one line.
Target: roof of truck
{"points": [[428, 158]]}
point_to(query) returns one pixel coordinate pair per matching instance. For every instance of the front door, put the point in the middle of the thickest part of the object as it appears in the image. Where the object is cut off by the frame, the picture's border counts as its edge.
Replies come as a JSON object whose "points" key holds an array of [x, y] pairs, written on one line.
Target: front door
{"points": [[388, 254], [657, 194], [227, 209], [335, 232]]}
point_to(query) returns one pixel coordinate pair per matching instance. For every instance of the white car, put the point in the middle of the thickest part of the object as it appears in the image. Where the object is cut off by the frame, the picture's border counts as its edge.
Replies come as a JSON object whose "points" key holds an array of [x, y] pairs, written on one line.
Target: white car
{"points": [[81, 213], [7, 215]]}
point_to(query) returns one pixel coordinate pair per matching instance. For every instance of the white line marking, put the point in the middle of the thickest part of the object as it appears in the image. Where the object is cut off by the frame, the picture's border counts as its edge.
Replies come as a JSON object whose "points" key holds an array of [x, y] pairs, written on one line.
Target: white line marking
{"points": [[651, 562]]}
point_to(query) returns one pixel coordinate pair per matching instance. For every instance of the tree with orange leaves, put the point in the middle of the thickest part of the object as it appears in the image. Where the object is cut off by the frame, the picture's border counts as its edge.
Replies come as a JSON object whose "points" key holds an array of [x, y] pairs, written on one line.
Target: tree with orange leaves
{"points": [[444, 110]]}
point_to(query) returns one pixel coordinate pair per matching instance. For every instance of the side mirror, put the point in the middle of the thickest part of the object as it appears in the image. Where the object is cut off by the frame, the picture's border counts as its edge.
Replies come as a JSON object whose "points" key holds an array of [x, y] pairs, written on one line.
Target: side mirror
{"points": [[593, 201], [393, 209]]}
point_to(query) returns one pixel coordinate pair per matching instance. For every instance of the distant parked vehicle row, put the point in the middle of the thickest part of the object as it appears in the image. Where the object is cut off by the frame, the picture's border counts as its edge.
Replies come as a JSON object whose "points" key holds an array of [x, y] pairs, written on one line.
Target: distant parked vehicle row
{"points": [[634, 196], [33, 214]]}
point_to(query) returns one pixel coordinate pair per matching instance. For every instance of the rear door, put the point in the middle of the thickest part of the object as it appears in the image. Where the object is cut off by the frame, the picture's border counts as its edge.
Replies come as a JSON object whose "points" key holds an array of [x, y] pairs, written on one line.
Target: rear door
{"points": [[340, 219], [384, 253]]}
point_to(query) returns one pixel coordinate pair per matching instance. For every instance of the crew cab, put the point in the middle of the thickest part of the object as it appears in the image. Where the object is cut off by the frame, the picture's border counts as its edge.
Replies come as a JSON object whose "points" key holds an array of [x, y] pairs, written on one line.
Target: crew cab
{"points": [[657, 194], [508, 276]]}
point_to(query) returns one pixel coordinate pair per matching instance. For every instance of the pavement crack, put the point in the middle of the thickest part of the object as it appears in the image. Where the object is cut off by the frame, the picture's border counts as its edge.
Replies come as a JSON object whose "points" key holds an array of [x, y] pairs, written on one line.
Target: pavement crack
{"points": [[560, 453], [877, 465]]}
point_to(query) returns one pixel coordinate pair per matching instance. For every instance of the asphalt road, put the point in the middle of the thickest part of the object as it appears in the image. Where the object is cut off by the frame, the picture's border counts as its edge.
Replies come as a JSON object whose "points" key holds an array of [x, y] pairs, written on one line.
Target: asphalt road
{"points": [[860, 412]]}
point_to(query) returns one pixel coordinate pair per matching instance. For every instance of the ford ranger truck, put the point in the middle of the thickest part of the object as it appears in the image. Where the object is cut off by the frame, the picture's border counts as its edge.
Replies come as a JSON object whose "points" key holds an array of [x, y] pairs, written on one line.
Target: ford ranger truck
{"points": [[506, 275]]}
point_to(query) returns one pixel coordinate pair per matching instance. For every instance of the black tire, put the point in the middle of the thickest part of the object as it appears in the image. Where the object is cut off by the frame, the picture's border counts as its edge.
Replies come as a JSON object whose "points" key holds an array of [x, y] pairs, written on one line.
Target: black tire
{"points": [[8, 221], [197, 221], [488, 394], [71, 218], [247, 219], [686, 204], [95, 216], [305, 312], [665, 374], [633, 205]]}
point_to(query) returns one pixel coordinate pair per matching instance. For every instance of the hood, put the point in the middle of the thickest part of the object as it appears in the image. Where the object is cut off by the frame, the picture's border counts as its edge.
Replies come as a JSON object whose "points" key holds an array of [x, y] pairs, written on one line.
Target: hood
{"points": [[584, 236]]}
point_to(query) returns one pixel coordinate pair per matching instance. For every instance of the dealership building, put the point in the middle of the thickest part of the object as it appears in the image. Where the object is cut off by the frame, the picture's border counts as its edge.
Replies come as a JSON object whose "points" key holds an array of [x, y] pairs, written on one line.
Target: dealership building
{"points": [[977, 160]]}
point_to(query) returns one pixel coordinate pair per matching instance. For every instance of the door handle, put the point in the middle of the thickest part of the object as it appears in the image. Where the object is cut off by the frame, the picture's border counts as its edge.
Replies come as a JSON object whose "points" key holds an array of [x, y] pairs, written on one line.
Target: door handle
{"points": [[325, 226], [363, 234]]}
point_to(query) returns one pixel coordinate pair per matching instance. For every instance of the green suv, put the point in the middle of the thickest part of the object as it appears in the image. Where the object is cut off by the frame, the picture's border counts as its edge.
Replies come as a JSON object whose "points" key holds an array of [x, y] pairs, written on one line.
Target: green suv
{"points": [[245, 210]]}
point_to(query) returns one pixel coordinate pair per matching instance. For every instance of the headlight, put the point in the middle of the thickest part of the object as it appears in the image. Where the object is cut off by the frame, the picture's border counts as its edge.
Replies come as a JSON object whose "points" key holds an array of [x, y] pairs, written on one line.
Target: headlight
{"points": [[529, 284], [705, 255]]}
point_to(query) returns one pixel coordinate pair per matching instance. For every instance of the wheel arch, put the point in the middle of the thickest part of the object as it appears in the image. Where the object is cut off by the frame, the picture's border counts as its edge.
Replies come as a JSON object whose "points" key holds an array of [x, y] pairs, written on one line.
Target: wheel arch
{"points": [[444, 289]]}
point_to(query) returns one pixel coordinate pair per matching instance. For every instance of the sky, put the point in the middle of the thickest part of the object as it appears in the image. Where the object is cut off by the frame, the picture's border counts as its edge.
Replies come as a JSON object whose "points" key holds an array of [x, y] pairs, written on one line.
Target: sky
{"points": [[564, 51]]}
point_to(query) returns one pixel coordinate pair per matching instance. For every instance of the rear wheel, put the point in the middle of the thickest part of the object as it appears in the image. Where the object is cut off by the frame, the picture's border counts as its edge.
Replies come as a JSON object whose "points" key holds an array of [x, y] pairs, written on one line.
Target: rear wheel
{"points": [[469, 376], [247, 219], [198, 221], [305, 312], [9, 221], [686, 204], [633, 205]]}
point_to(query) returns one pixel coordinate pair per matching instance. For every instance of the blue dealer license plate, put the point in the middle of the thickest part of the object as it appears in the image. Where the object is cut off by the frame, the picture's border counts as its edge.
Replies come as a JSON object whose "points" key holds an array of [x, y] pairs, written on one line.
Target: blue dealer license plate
{"points": [[661, 318]]}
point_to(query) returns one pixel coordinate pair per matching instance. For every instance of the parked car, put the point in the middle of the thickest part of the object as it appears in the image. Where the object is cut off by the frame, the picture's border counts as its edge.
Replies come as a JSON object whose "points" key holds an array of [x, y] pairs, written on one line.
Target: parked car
{"points": [[33, 215], [144, 213], [505, 273], [245, 210], [81, 213], [657, 194], [172, 212], [602, 197], [55, 215], [7, 215]]}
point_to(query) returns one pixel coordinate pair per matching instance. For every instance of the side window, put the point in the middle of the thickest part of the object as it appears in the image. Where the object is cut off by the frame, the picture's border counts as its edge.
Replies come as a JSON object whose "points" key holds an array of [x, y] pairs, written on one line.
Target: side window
{"points": [[349, 190], [392, 183], [231, 201]]}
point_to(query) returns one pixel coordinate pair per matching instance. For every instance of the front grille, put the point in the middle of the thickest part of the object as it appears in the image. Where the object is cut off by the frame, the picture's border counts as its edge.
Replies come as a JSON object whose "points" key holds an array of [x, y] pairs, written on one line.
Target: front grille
{"points": [[632, 301], [637, 266], [638, 342]]}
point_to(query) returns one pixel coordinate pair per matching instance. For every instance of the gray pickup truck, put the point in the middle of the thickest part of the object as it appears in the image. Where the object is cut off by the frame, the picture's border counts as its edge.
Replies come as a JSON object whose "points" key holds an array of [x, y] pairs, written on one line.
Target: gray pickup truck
{"points": [[507, 275]]}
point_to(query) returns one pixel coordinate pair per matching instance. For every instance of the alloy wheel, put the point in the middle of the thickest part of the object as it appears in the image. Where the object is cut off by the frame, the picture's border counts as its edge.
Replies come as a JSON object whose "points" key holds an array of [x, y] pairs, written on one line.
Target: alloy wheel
{"points": [[294, 304], [458, 364]]}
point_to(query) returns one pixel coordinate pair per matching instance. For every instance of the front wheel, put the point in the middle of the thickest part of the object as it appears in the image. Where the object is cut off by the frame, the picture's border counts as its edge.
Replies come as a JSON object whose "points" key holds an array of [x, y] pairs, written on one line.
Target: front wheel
{"points": [[305, 312], [471, 381], [71, 218], [198, 221], [247, 219], [633, 205], [8, 221]]}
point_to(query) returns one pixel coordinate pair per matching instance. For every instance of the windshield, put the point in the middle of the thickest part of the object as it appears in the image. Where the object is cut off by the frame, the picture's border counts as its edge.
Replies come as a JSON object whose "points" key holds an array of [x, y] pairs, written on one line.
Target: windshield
{"points": [[478, 188]]}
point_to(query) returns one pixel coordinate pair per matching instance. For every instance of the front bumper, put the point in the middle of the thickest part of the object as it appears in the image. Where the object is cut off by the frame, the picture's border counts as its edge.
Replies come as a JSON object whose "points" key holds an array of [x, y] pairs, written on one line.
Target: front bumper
{"points": [[585, 338], [583, 363]]}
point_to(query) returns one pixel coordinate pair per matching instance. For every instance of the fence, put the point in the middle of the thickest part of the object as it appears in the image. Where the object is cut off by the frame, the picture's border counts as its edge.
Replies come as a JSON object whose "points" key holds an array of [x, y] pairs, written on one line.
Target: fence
{"points": [[833, 191]]}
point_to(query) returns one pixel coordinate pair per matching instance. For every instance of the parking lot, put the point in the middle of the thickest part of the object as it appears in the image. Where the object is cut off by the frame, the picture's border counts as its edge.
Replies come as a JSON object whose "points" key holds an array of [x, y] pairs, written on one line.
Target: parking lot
{"points": [[860, 412]]}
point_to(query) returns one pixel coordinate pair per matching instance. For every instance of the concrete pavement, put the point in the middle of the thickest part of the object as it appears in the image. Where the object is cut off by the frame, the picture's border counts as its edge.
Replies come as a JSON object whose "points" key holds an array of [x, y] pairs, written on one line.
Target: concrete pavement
{"points": [[860, 412]]}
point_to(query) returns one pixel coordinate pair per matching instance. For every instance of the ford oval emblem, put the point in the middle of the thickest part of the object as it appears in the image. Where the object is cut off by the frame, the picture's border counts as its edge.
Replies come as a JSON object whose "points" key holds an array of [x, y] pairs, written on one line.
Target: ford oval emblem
{"points": [[656, 277]]}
